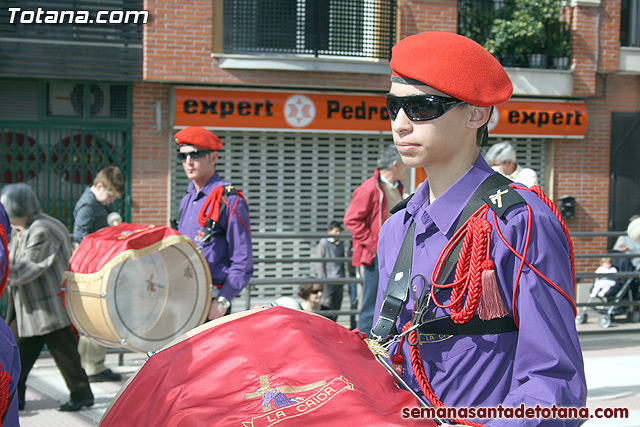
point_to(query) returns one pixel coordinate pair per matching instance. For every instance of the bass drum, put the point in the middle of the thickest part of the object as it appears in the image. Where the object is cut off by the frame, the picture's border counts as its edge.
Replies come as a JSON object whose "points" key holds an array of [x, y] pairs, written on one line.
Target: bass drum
{"points": [[262, 368], [141, 301]]}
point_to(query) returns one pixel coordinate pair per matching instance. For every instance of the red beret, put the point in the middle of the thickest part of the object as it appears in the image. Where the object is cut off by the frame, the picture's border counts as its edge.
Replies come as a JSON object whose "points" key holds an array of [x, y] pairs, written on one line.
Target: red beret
{"points": [[453, 64], [195, 135]]}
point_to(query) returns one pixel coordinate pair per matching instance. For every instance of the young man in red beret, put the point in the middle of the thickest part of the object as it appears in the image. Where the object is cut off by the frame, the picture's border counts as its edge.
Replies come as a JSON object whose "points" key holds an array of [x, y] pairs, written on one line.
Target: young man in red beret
{"points": [[215, 216], [495, 316]]}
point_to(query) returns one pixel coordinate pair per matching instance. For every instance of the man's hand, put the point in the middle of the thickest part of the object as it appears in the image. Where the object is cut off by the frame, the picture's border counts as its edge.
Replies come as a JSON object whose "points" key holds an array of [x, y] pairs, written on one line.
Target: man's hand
{"points": [[215, 312]]}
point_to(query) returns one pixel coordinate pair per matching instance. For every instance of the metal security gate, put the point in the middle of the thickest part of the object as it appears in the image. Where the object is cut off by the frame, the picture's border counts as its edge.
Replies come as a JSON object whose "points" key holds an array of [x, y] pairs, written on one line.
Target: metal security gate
{"points": [[294, 183], [60, 162]]}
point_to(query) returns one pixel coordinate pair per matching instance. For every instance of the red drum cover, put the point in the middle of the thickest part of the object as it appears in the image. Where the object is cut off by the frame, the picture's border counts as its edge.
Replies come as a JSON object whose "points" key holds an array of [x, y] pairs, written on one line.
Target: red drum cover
{"points": [[262, 368]]}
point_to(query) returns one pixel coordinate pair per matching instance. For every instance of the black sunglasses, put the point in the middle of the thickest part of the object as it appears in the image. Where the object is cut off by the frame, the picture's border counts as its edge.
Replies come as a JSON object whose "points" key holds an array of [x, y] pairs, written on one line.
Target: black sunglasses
{"points": [[315, 291], [419, 108], [198, 154]]}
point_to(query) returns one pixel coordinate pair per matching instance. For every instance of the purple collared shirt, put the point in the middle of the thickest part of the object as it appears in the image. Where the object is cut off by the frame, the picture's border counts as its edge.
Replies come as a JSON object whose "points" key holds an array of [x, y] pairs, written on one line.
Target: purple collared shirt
{"points": [[9, 354], [6, 226], [539, 364], [229, 253]]}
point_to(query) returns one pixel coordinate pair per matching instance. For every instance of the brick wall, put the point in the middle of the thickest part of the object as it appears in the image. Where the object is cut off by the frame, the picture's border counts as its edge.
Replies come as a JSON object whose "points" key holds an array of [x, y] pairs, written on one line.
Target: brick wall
{"points": [[150, 155], [609, 43], [172, 54], [582, 167], [584, 42], [418, 16]]}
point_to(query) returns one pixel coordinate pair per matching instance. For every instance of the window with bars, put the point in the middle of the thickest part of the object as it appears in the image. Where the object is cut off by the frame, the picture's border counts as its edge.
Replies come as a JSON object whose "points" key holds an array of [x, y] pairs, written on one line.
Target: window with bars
{"points": [[345, 28]]}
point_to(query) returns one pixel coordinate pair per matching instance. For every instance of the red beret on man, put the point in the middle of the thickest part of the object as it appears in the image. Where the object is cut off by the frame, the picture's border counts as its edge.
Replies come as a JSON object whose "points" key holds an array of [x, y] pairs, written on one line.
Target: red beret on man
{"points": [[453, 64], [200, 137]]}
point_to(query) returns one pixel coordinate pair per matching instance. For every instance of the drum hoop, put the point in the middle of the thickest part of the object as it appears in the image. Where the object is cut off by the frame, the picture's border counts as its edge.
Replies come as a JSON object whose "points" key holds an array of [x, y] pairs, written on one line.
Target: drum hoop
{"points": [[104, 275], [134, 341]]}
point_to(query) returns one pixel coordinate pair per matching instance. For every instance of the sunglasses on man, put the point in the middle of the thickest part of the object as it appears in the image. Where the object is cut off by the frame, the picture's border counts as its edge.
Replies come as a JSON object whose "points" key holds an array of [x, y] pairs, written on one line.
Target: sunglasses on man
{"points": [[197, 154], [419, 108]]}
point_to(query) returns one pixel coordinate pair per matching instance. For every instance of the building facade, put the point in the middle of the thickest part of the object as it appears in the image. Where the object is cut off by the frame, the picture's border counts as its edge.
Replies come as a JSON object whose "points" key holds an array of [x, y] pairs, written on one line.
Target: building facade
{"points": [[295, 90]]}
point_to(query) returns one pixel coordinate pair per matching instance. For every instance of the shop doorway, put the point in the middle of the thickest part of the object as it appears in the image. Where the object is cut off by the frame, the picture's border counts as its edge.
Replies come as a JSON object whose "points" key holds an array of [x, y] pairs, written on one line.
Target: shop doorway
{"points": [[624, 194]]}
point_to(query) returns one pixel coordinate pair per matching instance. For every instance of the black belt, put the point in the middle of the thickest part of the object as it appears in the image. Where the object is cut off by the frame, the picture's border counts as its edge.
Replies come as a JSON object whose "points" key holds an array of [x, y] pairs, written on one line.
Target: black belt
{"points": [[476, 326]]}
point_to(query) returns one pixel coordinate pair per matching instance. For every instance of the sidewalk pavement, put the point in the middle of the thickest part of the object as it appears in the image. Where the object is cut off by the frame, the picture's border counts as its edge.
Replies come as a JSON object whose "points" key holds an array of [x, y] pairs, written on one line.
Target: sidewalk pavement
{"points": [[611, 366]]}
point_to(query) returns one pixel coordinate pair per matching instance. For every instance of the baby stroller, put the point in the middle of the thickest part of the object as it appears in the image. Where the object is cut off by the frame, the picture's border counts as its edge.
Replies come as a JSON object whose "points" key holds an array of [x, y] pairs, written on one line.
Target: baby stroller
{"points": [[625, 289]]}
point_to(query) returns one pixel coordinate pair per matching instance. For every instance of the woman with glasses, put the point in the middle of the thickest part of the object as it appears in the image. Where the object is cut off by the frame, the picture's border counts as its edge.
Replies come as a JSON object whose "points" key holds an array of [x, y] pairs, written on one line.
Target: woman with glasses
{"points": [[481, 268], [311, 295]]}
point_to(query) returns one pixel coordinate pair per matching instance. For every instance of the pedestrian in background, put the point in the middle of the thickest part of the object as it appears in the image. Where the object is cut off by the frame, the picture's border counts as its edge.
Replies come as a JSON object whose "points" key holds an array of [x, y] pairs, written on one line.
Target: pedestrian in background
{"points": [[91, 214], [502, 157], [39, 252], [370, 207], [331, 247]]}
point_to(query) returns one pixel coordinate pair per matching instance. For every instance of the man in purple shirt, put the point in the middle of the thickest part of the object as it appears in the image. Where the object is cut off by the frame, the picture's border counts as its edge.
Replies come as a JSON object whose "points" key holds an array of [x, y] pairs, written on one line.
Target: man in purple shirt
{"points": [[224, 241], [443, 90]]}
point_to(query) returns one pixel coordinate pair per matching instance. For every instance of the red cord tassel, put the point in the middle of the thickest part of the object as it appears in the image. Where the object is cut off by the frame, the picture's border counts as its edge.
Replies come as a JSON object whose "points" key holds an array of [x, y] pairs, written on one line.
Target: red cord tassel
{"points": [[491, 304]]}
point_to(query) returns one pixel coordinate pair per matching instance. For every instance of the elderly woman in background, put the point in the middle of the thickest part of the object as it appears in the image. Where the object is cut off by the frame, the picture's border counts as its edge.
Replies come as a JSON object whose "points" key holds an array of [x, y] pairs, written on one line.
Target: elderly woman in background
{"points": [[39, 252], [502, 157]]}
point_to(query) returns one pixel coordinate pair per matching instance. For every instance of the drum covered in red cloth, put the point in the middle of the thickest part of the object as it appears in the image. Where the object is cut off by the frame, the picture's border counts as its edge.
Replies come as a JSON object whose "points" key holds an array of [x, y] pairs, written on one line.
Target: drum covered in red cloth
{"points": [[137, 286], [262, 368]]}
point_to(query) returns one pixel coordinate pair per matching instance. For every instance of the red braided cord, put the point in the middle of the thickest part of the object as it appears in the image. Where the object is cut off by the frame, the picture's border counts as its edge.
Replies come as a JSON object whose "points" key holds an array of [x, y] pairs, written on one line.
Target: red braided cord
{"points": [[474, 250], [421, 377], [211, 207], [536, 271], [538, 191], [5, 379], [233, 209], [5, 271]]}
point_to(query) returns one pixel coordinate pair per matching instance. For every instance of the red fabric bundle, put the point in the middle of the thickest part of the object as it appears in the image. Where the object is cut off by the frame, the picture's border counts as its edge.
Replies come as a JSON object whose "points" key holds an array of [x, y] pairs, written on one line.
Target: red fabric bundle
{"points": [[120, 241], [261, 368]]}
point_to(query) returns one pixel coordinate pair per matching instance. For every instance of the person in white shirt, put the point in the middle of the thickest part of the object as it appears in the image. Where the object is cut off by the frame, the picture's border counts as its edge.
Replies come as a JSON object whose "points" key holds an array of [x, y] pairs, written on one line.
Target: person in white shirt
{"points": [[502, 157]]}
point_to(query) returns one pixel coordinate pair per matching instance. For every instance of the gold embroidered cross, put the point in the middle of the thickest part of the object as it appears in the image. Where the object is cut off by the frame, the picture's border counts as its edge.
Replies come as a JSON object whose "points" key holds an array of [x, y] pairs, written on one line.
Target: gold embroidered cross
{"points": [[229, 188], [498, 197], [265, 387]]}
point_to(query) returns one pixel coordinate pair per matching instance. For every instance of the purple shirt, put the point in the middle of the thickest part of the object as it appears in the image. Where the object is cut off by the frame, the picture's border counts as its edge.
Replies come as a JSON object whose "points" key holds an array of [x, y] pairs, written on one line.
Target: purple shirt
{"points": [[229, 253], [9, 354], [6, 226], [539, 364]]}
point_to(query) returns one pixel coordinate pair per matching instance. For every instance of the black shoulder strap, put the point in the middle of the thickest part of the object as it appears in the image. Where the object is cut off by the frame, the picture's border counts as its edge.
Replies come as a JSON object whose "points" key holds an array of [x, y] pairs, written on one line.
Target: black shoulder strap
{"points": [[397, 288], [400, 205]]}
